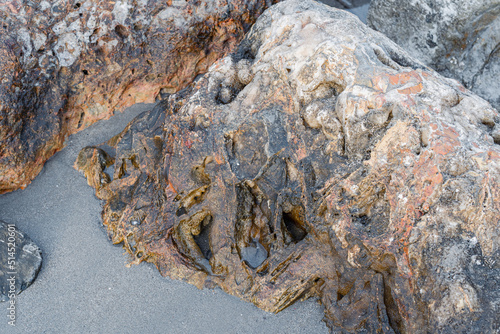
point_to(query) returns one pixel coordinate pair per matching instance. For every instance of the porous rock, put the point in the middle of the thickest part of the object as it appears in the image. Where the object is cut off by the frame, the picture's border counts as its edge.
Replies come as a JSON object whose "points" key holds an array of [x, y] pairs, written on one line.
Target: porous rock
{"points": [[458, 38], [20, 261], [67, 63], [319, 159]]}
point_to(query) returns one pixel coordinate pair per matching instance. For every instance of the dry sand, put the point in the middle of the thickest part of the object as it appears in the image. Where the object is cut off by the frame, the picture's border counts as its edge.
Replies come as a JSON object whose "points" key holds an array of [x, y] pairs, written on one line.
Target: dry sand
{"points": [[84, 286]]}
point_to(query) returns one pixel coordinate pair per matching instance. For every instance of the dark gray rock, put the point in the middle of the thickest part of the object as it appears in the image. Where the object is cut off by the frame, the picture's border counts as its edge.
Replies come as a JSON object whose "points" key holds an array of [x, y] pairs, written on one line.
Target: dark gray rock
{"points": [[20, 261], [458, 38], [345, 4]]}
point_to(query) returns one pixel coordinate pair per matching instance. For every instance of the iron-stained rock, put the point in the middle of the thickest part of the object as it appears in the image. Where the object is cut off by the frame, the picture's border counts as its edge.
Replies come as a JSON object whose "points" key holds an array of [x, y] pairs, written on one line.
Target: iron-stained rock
{"points": [[66, 64], [458, 38], [20, 261], [319, 159]]}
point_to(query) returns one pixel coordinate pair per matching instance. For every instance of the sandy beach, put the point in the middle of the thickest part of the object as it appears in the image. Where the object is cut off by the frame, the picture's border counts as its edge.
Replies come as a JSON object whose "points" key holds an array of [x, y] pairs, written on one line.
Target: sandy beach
{"points": [[84, 285]]}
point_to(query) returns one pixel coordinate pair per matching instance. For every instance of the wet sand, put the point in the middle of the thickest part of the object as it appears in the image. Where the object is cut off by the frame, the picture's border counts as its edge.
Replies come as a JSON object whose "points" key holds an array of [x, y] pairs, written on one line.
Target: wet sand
{"points": [[84, 286]]}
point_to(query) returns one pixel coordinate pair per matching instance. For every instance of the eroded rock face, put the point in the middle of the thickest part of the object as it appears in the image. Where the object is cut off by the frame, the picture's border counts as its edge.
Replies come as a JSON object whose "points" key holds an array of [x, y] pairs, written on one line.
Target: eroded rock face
{"points": [[66, 64], [458, 38], [20, 261], [319, 159]]}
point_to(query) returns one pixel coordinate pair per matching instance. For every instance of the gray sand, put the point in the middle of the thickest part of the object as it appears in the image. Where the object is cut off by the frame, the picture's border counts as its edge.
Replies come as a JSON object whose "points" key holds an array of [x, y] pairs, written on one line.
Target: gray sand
{"points": [[84, 286]]}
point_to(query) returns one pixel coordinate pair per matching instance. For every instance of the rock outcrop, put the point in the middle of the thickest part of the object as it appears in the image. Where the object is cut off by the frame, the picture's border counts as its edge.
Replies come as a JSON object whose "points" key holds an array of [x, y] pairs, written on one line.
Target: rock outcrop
{"points": [[319, 159], [20, 261], [66, 64], [458, 38]]}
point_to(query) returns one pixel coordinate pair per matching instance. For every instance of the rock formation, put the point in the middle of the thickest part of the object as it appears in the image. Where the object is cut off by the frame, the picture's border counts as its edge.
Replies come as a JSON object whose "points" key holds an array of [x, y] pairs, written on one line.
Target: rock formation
{"points": [[458, 38], [319, 159], [66, 64], [20, 261]]}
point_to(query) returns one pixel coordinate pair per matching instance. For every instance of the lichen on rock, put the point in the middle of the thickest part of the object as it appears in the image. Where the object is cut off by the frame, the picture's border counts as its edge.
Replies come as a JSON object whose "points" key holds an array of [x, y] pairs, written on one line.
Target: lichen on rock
{"points": [[318, 159], [68, 63]]}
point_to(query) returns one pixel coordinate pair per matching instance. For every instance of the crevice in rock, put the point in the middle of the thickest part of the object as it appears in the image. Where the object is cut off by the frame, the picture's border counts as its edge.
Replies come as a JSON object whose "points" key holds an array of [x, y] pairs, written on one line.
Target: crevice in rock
{"points": [[293, 224], [402, 60], [203, 238], [395, 319], [385, 59], [80, 121], [252, 227]]}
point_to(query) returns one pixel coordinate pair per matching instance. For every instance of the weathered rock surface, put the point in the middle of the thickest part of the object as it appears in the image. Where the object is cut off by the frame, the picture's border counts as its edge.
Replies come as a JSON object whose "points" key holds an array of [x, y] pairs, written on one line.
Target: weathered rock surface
{"points": [[458, 38], [66, 64], [20, 261], [319, 159]]}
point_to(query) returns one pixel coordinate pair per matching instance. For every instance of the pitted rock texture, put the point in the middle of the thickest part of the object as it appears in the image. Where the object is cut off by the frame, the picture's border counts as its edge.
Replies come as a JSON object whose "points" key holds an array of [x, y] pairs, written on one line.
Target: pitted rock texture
{"points": [[20, 261], [458, 38], [319, 159], [66, 64]]}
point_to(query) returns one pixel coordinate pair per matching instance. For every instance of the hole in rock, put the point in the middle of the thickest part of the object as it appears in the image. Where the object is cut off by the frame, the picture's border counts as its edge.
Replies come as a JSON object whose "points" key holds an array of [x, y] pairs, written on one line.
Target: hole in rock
{"points": [[490, 123], [138, 26], [134, 162], [294, 225], [122, 31], [181, 211], [247, 50], [364, 220], [123, 170], [85, 72], [226, 95], [203, 239], [78, 5]]}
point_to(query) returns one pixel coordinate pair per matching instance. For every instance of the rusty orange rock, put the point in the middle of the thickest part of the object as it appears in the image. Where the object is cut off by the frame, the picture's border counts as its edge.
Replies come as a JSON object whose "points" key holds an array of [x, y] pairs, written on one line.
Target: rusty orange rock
{"points": [[67, 64]]}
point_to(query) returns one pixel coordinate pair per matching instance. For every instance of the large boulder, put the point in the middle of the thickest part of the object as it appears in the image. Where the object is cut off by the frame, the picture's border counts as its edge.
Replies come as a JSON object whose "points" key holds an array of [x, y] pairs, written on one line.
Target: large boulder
{"points": [[458, 38], [319, 159], [66, 64]]}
